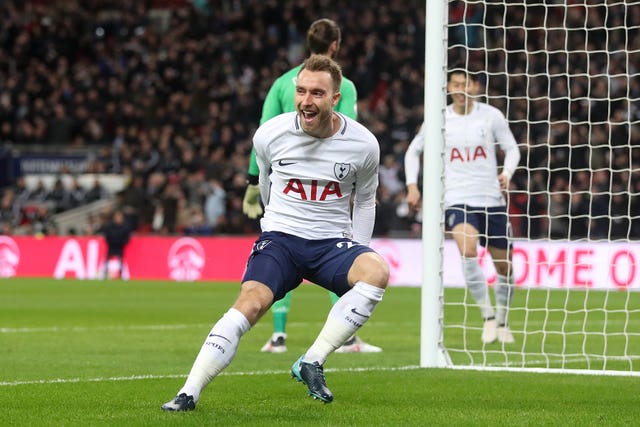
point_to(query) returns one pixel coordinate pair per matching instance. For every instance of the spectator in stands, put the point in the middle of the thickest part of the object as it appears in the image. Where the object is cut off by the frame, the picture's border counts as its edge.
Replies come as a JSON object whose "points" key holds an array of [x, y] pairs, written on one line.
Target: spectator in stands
{"points": [[96, 192], [620, 221], [38, 194], [7, 212], [167, 205], [215, 205], [20, 191], [77, 194], [5, 228], [17, 196], [41, 222], [134, 202], [60, 126], [58, 197], [197, 224], [389, 172], [116, 235]]}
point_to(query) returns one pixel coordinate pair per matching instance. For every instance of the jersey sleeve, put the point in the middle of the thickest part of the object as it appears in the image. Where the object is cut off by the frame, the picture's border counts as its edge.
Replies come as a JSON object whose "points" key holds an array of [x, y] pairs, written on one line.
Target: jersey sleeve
{"points": [[507, 142], [412, 157], [262, 161], [364, 203]]}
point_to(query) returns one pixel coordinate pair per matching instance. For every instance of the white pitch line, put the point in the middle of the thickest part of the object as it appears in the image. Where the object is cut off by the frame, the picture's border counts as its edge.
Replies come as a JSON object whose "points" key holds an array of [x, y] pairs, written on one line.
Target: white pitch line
{"points": [[280, 372], [159, 377], [50, 329], [53, 329]]}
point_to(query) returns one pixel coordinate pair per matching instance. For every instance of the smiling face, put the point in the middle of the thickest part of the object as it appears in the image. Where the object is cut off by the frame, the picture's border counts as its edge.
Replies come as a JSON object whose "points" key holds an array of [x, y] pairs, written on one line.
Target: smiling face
{"points": [[315, 99], [461, 88]]}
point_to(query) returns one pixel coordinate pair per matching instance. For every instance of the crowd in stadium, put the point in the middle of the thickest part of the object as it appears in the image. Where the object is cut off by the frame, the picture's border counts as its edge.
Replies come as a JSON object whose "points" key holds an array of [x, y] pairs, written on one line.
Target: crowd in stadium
{"points": [[169, 93]]}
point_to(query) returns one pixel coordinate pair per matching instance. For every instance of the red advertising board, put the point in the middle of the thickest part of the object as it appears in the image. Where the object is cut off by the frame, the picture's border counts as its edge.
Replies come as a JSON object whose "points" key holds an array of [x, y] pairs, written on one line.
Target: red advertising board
{"points": [[183, 258], [598, 265]]}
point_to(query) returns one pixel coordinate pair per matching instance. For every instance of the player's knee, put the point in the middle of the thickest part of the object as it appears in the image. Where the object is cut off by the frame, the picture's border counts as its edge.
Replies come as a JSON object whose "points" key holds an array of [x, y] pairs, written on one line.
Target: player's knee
{"points": [[254, 300], [502, 269], [371, 268], [469, 252], [501, 264]]}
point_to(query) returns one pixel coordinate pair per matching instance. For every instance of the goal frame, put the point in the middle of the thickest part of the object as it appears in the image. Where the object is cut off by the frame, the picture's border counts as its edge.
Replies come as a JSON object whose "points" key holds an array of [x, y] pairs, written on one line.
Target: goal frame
{"points": [[433, 353]]}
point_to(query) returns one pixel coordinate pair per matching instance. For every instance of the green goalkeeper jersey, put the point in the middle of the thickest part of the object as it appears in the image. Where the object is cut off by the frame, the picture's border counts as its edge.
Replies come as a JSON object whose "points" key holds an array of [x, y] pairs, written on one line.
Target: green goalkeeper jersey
{"points": [[280, 100]]}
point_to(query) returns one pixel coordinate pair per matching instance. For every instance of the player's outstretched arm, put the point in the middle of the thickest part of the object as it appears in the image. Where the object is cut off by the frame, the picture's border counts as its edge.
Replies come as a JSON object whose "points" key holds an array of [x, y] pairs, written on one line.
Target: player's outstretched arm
{"points": [[412, 168], [251, 201]]}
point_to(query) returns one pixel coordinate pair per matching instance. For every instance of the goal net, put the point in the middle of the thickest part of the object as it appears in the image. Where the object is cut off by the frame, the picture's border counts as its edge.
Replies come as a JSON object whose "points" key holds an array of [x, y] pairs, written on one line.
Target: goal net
{"points": [[566, 76]]}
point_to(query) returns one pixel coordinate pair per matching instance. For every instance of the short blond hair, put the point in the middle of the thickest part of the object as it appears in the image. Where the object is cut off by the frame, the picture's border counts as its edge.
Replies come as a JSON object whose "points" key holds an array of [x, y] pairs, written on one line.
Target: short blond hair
{"points": [[324, 63]]}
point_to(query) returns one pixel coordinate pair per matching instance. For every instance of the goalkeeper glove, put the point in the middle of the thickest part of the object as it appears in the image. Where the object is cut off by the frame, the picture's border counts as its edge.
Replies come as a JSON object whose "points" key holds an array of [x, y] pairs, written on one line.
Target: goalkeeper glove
{"points": [[251, 202]]}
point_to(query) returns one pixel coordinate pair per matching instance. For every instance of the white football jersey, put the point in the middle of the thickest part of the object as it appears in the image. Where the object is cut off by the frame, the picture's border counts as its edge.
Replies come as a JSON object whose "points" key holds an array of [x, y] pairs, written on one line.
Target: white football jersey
{"points": [[471, 169], [306, 183]]}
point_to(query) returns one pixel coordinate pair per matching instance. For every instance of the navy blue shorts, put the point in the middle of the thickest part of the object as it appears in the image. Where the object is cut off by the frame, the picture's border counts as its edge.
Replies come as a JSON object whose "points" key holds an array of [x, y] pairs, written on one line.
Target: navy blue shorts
{"points": [[492, 223], [281, 261]]}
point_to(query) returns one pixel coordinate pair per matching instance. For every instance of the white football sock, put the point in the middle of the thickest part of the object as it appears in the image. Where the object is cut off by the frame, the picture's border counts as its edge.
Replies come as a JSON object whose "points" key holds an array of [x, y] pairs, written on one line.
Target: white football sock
{"points": [[347, 315], [477, 285], [217, 352], [504, 291]]}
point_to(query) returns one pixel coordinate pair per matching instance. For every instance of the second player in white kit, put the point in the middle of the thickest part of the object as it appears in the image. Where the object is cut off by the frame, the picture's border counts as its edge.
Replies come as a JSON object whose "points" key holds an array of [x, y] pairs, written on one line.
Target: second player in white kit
{"points": [[475, 207]]}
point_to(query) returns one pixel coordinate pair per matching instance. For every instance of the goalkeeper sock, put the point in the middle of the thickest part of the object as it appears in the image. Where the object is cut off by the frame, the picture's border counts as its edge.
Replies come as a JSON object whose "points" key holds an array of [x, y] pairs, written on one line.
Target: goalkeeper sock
{"points": [[280, 310], [477, 285], [346, 316], [216, 353], [334, 298], [504, 291]]}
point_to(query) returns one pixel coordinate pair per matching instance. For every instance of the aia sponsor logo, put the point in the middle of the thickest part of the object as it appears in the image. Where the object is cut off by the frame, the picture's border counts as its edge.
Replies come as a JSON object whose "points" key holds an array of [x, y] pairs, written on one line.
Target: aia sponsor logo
{"points": [[9, 256], [312, 189], [467, 154], [186, 259]]}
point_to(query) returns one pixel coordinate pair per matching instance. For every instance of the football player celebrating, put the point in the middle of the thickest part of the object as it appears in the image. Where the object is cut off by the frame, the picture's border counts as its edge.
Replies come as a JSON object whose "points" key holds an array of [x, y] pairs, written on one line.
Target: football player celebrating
{"points": [[323, 37], [311, 162]]}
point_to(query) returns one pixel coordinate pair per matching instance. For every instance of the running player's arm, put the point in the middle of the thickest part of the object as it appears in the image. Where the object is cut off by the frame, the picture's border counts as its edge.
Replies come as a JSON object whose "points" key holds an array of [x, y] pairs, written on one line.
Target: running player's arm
{"points": [[508, 144], [412, 168], [364, 202]]}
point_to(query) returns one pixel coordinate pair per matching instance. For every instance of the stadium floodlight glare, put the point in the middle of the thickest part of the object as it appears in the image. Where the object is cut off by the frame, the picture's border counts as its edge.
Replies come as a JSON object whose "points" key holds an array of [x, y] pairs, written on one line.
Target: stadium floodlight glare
{"points": [[566, 77]]}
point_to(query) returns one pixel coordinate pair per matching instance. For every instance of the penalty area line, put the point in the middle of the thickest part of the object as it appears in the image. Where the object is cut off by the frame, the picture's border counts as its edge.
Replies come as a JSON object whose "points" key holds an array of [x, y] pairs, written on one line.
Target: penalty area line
{"points": [[171, 376]]}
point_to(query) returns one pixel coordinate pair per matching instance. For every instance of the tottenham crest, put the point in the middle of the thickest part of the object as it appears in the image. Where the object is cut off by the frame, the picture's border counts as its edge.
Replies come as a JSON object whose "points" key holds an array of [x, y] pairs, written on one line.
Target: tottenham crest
{"points": [[341, 170]]}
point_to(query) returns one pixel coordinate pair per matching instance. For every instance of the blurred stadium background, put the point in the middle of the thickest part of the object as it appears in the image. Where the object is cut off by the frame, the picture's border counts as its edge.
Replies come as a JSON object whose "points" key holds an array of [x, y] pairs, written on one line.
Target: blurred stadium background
{"points": [[150, 106]]}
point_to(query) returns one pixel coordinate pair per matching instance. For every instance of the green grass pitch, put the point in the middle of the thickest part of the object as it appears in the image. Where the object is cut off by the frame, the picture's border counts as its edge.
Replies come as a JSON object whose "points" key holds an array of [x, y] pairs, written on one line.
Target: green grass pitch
{"points": [[93, 353]]}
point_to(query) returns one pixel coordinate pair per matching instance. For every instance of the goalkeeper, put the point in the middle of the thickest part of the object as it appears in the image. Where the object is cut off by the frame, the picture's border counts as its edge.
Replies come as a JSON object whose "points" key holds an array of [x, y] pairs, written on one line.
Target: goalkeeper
{"points": [[323, 37], [475, 208]]}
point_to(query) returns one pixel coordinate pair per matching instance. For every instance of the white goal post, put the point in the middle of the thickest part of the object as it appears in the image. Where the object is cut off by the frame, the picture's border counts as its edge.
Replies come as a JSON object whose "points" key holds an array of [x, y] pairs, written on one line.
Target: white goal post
{"points": [[566, 75]]}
